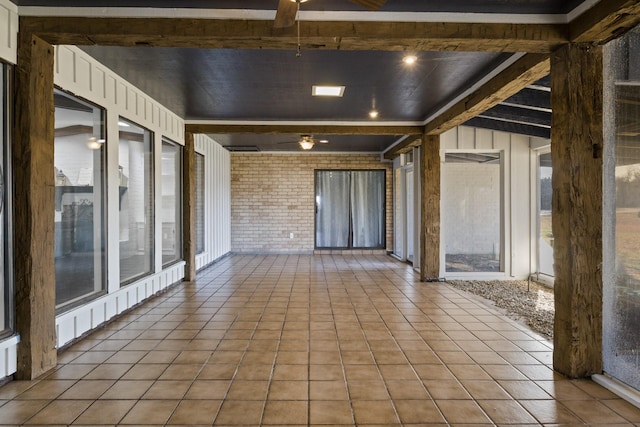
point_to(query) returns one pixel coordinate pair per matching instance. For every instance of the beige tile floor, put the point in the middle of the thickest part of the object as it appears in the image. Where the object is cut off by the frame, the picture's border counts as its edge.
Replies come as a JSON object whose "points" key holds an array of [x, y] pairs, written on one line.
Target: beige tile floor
{"points": [[311, 340]]}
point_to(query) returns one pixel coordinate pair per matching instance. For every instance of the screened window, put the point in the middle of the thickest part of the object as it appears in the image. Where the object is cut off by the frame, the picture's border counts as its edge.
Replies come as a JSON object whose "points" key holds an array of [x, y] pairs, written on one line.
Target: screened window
{"points": [[171, 202], [350, 209], [200, 187], [136, 206], [6, 284], [80, 202], [621, 237], [472, 216]]}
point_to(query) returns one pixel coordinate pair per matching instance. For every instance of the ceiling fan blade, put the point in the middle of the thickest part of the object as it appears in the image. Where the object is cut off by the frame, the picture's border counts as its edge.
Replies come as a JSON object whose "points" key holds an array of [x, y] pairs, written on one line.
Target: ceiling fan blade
{"points": [[370, 4], [286, 14]]}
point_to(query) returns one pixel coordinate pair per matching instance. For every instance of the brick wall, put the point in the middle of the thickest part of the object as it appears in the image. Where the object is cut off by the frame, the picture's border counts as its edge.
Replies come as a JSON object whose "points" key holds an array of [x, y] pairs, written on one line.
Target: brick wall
{"points": [[272, 195]]}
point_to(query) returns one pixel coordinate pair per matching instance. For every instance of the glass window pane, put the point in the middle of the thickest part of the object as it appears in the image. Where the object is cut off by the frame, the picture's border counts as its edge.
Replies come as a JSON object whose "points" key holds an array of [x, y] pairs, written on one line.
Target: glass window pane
{"points": [[171, 202], [472, 188], [5, 289], [136, 209], [398, 217], [200, 187], [545, 233], [80, 183], [621, 308], [410, 213], [332, 209]]}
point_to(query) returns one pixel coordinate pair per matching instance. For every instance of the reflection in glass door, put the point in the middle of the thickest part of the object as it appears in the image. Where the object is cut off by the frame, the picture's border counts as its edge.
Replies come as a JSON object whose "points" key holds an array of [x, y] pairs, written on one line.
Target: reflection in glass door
{"points": [[409, 200], [472, 199], [621, 278], [545, 233], [6, 297]]}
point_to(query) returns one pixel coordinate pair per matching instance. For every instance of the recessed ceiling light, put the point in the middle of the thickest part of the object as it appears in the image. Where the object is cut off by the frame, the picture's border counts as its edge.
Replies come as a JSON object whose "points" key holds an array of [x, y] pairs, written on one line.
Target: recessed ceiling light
{"points": [[410, 59], [123, 124], [373, 114], [327, 90]]}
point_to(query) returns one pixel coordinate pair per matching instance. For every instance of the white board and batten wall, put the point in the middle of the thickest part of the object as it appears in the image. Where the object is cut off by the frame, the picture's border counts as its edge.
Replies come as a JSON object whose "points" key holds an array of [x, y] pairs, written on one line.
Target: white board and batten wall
{"points": [[78, 73], [217, 206], [517, 202]]}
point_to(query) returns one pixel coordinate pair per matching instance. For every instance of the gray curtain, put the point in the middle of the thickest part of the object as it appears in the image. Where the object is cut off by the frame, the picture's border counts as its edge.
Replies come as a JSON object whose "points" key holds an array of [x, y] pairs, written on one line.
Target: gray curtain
{"points": [[332, 207], [367, 204], [350, 209]]}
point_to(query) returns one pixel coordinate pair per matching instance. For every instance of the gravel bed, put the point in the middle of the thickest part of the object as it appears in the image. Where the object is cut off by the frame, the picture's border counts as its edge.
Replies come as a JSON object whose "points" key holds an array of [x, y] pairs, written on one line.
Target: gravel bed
{"points": [[534, 306]]}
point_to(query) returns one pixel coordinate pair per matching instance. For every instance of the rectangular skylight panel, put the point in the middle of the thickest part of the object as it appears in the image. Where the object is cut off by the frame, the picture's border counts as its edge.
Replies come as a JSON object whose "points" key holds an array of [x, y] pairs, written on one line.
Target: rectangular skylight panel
{"points": [[336, 91]]}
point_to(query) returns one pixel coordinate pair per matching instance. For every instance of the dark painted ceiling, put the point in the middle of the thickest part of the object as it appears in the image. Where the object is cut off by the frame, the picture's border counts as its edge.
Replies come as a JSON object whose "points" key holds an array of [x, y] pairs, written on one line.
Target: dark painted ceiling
{"points": [[232, 84], [274, 86], [457, 6]]}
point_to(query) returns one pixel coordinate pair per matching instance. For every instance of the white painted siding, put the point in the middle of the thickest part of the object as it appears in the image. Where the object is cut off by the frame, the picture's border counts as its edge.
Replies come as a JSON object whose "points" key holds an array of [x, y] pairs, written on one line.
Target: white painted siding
{"points": [[78, 73], [516, 229], [8, 31], [217, 209]]}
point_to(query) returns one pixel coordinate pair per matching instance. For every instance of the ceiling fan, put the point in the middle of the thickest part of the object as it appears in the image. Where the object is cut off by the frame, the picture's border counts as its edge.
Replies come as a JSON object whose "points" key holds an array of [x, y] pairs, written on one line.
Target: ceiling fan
{"points": [[288, 10], [307, 142]]}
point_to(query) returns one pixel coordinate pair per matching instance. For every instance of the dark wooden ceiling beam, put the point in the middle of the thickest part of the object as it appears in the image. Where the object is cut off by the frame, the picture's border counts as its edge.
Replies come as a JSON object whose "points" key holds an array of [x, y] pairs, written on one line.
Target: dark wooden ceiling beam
{"points": [[525, 71], [605, 21], [312, 129], [260, 34]]}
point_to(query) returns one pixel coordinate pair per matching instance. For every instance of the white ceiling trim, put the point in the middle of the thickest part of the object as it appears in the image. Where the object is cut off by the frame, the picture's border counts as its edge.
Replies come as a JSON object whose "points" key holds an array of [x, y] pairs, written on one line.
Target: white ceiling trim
{"points": [[582, 8], [512, 59], [254, 14], [300, 123], [519, 122]]}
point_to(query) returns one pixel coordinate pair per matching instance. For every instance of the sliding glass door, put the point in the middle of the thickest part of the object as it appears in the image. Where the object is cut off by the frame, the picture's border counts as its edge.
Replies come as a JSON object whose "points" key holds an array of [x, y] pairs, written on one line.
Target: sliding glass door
{"points": [[350, 209]]}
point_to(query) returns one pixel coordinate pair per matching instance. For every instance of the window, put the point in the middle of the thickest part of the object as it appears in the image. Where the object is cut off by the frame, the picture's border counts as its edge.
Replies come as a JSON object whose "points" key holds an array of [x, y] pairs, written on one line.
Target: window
{"points": [[171, 202], [6, 282], [545, 233], [350, 209], [621, 225], [80, 202], [136, 210], [472, 215], [200, 187]]}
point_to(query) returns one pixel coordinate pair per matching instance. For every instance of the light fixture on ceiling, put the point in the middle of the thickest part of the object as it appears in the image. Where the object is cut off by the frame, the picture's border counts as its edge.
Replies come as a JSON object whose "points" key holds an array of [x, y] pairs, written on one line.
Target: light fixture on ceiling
{"points": [[373, 114], [410, 59], [318, 90], [123, 124], [94, 143], [306, 142]]}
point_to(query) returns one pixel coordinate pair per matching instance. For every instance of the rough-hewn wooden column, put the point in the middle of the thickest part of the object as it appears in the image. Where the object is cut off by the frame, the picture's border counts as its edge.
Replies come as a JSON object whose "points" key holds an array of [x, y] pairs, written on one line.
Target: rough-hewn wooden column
{"points": [[576, 153], [189, 207], [430, 208], [34, 208]]}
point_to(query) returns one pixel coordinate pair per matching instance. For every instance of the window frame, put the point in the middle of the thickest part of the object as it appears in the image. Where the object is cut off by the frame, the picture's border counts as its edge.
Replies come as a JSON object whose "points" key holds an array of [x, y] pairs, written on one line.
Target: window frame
{"points": [[178, 200], [350, 246], [152, 215], [81, 300], [7, 136]]}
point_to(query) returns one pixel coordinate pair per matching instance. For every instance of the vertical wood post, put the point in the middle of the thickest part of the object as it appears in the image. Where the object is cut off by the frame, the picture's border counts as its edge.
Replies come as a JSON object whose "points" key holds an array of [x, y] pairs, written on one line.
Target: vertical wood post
{"points": [[189, 207], [34, 207], [430, 208], [576, 152]]}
